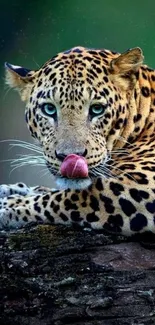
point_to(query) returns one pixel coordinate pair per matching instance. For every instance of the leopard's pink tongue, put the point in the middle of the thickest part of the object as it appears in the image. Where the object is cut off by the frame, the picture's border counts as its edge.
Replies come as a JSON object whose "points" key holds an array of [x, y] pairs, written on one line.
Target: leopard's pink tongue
{"points": [[74, 166]]}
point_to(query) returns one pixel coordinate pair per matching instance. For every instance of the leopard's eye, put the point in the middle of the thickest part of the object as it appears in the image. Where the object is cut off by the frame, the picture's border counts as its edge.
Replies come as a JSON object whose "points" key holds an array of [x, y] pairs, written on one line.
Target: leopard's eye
{"points": [[96, 110], [49, 109]]}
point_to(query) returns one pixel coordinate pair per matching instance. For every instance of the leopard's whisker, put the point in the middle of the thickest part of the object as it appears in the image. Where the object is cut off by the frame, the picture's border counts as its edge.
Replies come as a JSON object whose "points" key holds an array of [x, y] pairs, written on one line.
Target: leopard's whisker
{"points": [[17, 140], [13, 169], [25, 160], [35, 163], [125, 141], [25, 146], [46, 171], [28, 159], [120, 153], [123, 172], [14, 160], [102, 171], [22, 144], [6, 92], [23, 164]]}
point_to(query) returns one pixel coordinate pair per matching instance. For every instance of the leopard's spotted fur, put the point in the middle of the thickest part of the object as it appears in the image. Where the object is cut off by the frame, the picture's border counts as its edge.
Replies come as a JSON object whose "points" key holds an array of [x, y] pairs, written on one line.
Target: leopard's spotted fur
{"points": [[118, 143]]}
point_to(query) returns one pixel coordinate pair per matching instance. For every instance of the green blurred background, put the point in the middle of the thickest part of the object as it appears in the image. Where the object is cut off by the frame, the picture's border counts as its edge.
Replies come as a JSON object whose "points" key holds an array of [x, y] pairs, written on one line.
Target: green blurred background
{"points": [[33, 31]]}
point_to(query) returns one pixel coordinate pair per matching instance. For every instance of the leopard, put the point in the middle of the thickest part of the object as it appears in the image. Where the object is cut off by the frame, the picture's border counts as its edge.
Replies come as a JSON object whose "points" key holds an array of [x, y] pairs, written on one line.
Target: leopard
{"points": [[96, 104]]}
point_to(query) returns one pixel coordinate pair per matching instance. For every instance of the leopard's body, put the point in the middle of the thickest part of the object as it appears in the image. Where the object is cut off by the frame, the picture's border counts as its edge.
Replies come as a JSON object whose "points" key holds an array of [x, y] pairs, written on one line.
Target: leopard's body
{"points": [[116, 137]]}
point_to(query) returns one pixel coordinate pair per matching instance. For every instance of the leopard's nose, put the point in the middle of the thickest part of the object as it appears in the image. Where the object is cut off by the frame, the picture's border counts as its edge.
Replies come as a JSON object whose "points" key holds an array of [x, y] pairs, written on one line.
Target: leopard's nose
{"points": [[62, 155]]}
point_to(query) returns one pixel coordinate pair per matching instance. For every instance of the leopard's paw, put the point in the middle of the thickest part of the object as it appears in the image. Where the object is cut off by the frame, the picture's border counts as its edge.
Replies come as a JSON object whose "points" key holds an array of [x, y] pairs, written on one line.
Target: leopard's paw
{"points": [[20, 189], [14, 189]]}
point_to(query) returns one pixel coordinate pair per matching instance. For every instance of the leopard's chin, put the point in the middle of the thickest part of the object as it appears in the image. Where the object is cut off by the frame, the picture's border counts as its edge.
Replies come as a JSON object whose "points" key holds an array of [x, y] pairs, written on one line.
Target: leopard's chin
{"points": [[72, 183]]}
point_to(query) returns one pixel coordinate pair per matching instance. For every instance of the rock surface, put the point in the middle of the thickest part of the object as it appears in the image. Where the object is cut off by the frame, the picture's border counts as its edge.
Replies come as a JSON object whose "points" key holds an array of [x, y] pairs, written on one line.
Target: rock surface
{"points": [[56, 275]]}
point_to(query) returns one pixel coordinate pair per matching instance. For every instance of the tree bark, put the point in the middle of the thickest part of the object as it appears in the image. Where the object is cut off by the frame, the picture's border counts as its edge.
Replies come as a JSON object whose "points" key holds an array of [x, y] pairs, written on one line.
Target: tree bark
{"points": [[56, 275]]}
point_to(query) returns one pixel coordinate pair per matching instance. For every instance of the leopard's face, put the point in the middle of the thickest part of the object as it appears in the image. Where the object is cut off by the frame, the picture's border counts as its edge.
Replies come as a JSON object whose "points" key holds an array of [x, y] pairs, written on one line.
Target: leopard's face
{"points": [[74, 105]]}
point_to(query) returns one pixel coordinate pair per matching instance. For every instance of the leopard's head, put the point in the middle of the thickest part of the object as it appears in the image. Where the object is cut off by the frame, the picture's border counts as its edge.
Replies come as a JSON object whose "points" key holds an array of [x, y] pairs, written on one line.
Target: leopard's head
{"points": [[78, 102]]}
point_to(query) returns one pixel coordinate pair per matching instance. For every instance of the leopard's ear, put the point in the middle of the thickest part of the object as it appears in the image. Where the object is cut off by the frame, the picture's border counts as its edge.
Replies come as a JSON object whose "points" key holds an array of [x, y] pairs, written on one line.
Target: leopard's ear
{"points": [[19, 78], [127, 62]]}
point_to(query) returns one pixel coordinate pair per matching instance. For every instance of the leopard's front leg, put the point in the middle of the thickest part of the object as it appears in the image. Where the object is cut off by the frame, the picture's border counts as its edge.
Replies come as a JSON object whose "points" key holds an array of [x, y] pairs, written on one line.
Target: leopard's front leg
{"points": [[16, 211], [61, 207], [105, 204]]}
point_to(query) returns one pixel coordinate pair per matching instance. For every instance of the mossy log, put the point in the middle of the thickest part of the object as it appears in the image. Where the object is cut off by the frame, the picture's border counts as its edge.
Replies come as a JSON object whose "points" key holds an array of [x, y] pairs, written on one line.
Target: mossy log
{"points": [[56, 275]]}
